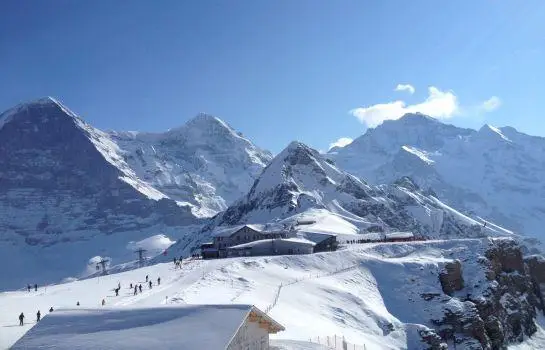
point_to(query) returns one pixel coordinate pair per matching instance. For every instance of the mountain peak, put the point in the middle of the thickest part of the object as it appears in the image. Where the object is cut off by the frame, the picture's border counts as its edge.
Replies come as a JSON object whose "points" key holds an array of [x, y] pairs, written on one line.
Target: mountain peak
{"points": [[417, 118], [204, 125], [207, 120], [491, 132], [35, 108]]}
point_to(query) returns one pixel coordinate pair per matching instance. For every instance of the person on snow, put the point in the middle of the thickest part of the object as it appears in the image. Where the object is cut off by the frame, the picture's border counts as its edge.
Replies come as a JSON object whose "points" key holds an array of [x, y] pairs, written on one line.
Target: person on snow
{"points": [[158, 280], [28, 287], [116, 292], [135, 290], [35, 287], [150, 284], [130, 286], [51, 309], [103, 302], [77, 304], [38, 316], [147, 277], [21, 318], [140, 288]]}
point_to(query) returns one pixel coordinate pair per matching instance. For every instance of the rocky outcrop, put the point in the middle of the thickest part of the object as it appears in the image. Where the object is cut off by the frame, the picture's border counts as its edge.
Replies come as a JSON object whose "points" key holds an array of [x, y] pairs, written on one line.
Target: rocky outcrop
{"points": [[463, 325], [536, 270], [505, 256], [432, 339], [499, 310], [451, 278]]}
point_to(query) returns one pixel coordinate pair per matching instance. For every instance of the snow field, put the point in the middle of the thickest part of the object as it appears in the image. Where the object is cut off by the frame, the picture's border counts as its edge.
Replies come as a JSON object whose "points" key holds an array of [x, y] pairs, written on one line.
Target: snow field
{"points": [[368, 293]]}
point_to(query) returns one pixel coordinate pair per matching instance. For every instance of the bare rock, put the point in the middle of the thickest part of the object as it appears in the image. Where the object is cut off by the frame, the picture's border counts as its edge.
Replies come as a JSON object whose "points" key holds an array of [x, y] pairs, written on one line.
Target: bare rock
{"points": [[536, 270], [451, 278]]}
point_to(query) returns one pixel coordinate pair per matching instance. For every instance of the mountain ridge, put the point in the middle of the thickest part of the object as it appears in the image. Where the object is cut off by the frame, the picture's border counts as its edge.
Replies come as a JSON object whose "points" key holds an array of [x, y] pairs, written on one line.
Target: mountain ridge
{"points": [[482, 172]]}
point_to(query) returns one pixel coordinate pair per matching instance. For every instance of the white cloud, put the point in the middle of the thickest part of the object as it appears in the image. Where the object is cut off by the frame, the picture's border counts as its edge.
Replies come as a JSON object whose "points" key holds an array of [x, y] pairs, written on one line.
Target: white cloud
{"points": [[491, 104], [341, 142], [405, 87], [439, 104]]}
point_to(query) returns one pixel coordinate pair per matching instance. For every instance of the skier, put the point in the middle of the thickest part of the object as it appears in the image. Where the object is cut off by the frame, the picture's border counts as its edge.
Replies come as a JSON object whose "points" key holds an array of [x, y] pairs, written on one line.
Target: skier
{"points": [[147, 277], [135, 290], [38, 316], [21, 318], [28, 287], [77, 304], [103, 302], [159, 281], [35, 287], [150, 284], [116, 292], [51, 309], [140, 288], [131, 286], [175, 262]]}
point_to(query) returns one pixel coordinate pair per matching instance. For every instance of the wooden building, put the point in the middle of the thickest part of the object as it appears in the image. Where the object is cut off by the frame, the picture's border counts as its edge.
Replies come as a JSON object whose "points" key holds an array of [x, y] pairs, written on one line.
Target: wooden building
{"points": [[225, 237]]}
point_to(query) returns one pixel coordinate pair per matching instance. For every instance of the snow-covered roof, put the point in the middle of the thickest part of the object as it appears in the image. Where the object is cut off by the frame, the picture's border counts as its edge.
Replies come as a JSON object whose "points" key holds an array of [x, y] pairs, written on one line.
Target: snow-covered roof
{"points": [[399, 235], [294, 241], [186, 327], [316, 237], [229, 231]]}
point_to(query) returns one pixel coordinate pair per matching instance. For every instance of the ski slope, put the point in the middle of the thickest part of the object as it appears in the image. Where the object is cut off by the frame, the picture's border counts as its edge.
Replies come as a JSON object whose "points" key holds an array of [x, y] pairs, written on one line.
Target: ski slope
{"points": [[344, 293]]}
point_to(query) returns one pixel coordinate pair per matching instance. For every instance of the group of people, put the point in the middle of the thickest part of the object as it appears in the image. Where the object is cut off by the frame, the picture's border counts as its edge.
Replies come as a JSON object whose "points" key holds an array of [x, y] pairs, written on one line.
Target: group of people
{"points": [[38, 316], [137, 288], [178, 263], [29, 287]]}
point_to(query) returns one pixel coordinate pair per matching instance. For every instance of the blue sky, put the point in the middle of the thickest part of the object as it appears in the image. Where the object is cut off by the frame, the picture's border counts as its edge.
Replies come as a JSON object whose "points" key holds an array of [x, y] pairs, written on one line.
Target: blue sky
{"points": [[279, 70]]}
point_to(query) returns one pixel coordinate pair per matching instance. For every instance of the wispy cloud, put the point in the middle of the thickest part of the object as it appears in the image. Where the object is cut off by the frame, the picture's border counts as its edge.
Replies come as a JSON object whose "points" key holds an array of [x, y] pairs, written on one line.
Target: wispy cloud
{"points": [[341, 142], [491, 104], [439, 104], [405, 87]]}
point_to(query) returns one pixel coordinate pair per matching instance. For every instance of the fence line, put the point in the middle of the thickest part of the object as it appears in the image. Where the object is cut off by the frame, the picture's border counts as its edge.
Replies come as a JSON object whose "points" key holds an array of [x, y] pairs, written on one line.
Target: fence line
{"points": [[336, 342], [297, 280]]}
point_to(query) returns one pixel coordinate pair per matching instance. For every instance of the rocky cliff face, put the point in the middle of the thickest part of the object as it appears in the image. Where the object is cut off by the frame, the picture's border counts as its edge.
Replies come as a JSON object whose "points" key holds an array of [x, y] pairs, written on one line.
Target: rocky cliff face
{"points": [[494, 311], [62, 180]]}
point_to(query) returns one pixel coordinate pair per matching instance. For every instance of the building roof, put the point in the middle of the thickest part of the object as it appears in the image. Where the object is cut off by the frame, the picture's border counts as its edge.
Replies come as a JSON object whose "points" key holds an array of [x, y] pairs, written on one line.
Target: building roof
{"points": [[227, 231], [294, 241], [186, 327], [316, 237]]}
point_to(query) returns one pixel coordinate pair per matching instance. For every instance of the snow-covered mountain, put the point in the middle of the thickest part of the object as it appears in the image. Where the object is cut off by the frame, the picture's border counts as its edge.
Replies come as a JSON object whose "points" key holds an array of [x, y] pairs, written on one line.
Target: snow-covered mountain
{"points": [[495, 173], [301, 183], [69, 191], [204, 163]]}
